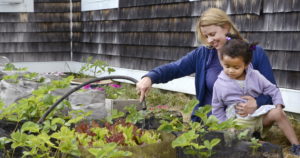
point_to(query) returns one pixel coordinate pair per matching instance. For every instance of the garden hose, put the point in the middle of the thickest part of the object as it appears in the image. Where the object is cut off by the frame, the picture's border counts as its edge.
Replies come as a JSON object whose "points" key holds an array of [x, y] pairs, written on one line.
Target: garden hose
{"points": [[143, 103]]}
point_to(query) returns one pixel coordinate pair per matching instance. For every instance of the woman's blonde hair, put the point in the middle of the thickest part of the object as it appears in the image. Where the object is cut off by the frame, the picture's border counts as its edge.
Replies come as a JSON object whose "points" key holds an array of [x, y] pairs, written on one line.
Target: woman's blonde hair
{"points": [[214, 16]]}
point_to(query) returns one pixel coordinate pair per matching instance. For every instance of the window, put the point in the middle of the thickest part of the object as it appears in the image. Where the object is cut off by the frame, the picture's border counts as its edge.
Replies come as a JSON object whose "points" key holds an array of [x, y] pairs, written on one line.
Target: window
{"points": [[16, 5], [87, 5]]}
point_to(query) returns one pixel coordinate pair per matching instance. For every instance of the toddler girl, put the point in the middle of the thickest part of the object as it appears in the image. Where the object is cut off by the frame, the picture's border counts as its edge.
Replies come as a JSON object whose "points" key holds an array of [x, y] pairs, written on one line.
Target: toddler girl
{"points": [[238, 79]]}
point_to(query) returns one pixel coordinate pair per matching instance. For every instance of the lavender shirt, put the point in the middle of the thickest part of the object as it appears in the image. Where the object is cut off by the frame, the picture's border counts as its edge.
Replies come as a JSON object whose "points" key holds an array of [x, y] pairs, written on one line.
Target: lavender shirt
{"points": [[227, 92]]}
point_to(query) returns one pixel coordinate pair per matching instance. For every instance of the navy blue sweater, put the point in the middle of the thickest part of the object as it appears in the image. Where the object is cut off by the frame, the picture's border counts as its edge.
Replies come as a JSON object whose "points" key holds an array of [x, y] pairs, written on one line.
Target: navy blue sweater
{"points": [[196, 61]]}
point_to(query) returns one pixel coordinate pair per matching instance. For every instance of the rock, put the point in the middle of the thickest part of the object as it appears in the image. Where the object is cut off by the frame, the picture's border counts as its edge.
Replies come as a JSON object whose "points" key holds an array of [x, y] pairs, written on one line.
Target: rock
{"points": [[12, 92], [120, 104], [90, 100]]}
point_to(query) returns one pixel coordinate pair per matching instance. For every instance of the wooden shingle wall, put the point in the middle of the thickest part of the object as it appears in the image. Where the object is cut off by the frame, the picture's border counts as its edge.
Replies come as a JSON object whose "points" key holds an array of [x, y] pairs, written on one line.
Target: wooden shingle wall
{"points": [[139, 35], [142, 34], [277, 28], [42, 35]]}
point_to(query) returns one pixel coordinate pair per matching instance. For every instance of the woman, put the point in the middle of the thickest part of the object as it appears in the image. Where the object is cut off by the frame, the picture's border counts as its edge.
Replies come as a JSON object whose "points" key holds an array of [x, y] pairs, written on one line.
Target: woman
{"points": [[212, 27]]}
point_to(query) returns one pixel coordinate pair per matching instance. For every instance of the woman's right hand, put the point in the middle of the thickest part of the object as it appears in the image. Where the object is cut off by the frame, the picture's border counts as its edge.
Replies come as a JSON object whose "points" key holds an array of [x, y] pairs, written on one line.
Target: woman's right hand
{"points": [[244, 109], [143, 87]]}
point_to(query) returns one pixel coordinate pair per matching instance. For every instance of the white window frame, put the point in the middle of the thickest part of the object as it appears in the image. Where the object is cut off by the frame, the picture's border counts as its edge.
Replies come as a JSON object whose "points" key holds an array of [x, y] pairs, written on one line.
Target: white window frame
{"points": [[16, 6], [88, 5]]}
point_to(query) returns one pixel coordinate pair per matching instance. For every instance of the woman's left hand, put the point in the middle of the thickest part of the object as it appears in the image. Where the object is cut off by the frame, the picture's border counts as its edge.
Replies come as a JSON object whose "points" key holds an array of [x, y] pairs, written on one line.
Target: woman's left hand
{"points": [[243, 109]]}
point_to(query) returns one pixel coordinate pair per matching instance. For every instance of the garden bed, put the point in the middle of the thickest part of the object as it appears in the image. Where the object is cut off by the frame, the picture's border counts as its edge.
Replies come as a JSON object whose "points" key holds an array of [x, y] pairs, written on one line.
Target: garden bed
{"points": [[167, 112]]}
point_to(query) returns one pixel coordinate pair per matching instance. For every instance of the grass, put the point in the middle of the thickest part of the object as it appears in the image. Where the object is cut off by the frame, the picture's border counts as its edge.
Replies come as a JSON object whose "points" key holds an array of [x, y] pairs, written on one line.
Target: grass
{"points": [[174, 100], [158, 97]]}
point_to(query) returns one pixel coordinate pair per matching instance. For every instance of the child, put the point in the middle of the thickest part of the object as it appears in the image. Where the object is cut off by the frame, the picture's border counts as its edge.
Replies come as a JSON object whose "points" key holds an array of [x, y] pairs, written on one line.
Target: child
{"points": [[238, 79]]}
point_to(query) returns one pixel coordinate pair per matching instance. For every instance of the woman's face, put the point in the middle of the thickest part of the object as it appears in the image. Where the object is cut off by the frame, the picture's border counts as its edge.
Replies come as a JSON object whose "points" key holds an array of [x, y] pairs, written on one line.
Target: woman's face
{"points": [[215, 35]]}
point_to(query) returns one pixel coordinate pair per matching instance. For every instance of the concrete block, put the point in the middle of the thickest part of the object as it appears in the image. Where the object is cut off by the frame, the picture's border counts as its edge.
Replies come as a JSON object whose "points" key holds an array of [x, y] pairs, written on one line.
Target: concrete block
{"points": [[120, 104]]}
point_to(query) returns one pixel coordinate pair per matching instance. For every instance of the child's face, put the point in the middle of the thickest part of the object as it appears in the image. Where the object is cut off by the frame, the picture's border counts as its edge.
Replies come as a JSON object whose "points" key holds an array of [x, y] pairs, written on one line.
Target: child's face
{"points": [[234, 67]]}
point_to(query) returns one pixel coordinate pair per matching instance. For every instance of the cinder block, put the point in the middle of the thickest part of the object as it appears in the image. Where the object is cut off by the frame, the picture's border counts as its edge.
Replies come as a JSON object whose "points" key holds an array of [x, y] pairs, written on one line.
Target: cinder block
{"points": [[120, 104]]}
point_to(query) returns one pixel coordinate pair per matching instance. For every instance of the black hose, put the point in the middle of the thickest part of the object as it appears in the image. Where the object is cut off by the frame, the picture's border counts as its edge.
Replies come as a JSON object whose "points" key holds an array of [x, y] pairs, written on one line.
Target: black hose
{"points": [[83, 84]]}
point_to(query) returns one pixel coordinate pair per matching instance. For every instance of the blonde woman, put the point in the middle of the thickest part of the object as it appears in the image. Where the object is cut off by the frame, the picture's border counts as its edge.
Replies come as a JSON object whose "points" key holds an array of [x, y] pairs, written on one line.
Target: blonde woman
{"points": [[212, 27]]}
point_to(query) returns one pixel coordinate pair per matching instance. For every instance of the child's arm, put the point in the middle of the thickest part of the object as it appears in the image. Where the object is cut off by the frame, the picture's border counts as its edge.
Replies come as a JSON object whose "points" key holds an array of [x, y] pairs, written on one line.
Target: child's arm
{"points": [[218, 108], [279, 106], [272, 90], [262, 64]]}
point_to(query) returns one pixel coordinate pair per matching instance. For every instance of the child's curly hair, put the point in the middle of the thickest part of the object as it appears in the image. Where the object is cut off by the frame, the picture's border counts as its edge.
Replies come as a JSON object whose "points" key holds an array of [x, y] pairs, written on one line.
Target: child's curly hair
{"points": [[236, 47]]}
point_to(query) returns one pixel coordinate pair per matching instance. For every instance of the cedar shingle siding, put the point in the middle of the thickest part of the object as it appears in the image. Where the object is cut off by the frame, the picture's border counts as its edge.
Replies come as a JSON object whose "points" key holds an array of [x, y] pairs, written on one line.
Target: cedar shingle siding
{"points": [[142, 34], [43, 35]]}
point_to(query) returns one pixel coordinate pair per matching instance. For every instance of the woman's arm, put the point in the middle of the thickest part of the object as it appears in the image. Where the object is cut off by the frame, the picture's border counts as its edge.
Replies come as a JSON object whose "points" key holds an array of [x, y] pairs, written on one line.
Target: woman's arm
{"points": [[162, 74], [182, 67]]}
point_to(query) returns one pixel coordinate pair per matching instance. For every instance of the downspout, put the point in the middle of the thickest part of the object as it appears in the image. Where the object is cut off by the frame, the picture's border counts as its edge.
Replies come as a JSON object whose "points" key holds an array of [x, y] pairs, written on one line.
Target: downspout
{"points": [[71, 30]]}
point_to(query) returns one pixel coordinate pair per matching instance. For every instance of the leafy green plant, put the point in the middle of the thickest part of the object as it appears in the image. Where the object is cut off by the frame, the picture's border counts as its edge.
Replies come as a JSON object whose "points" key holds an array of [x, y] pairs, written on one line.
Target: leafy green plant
{"points": [[36, 145], [35, 106], [134, 115], [115, 114], [96, 67], [192, 131], [244, 135], [172, 126], [186, 140], [11, 78], [66, 140], [211, 122], [29, 76], [108, 151], [34, 76], [188, 108], [51, 139], [12, 67], [255, 144], [113, 91]]}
